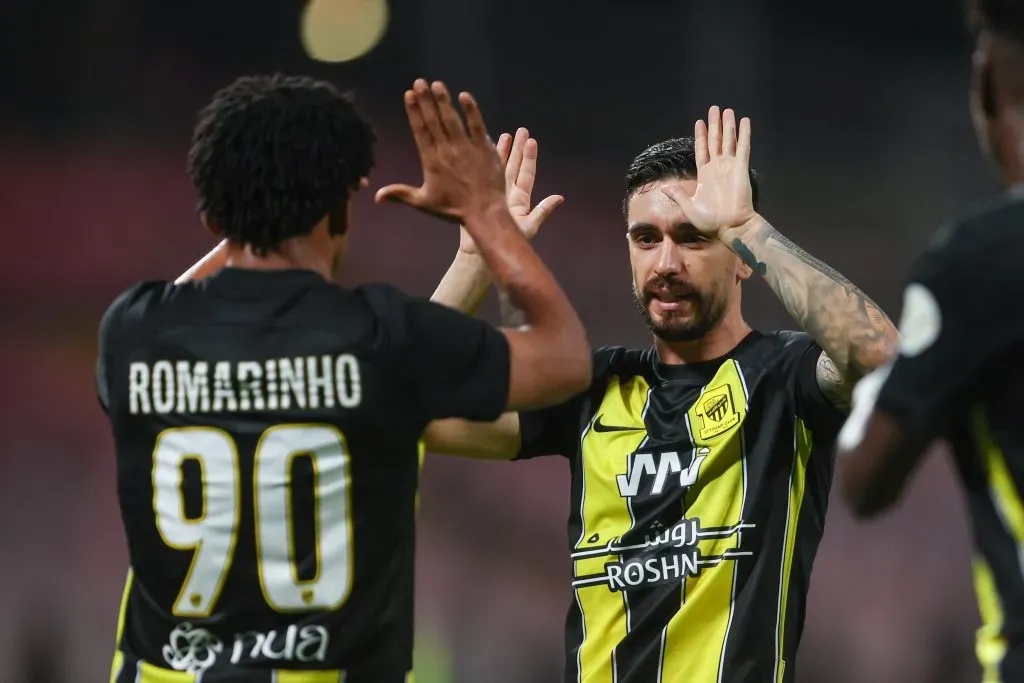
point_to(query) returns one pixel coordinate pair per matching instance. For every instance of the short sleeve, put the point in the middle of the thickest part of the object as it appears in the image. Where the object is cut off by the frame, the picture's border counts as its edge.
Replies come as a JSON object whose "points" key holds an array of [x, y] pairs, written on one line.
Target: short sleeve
{"points": [[557, 429], [815, 408], [110, 330], [103, 363], [553, 430], [948, 333], [458, 365]]}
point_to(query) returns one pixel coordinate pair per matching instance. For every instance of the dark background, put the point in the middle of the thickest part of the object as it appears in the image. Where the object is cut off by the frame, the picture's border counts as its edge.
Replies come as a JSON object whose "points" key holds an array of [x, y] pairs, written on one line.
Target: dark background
{"points": [[863, 140]]}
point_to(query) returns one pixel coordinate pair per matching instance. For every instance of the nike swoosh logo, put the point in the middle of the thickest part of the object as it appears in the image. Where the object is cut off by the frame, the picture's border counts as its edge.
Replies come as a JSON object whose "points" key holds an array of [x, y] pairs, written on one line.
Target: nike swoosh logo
{"points": [[601, 427]]}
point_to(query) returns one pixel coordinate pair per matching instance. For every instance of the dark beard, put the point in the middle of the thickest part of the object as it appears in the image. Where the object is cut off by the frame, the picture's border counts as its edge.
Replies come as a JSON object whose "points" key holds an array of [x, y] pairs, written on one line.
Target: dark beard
{"points": [[709, 312]]}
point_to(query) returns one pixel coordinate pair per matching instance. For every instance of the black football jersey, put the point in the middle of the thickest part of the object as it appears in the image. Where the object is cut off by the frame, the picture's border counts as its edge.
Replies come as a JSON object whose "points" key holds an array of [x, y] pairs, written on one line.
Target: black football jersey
{"points": [[698, 499], [267, 428], [960, 374]]}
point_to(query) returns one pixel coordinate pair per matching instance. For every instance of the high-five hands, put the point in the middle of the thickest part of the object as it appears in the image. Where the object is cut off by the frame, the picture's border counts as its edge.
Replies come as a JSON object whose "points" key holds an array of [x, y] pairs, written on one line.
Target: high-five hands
{"points": [[723, 199], [519, 157], [461, 173]]}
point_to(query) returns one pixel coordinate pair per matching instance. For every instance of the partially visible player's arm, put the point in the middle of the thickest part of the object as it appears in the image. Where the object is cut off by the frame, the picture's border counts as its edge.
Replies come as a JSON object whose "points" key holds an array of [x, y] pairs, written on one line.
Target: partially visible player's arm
{"points": [[498, 440], [463, 180], [877, 452], [206, 266], [465, 284], [948, 334], [550, 359], [854, 333]]}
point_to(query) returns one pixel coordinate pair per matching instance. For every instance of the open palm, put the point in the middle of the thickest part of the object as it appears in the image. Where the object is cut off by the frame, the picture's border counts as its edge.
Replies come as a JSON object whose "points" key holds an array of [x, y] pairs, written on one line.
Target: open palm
{"points": [[723, 198], [519, 157]]}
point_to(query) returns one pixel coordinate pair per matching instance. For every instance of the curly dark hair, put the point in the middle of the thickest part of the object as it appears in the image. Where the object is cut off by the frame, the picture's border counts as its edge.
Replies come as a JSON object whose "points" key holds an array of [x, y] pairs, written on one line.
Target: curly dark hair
{"points": [[272, 155], [673, 158], [1002, 17]]}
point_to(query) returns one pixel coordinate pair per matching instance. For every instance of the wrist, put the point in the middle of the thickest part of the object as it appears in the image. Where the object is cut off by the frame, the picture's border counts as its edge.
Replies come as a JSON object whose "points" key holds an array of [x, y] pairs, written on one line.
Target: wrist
{"points": [[485, 210], [745, 231], [469, 258]]}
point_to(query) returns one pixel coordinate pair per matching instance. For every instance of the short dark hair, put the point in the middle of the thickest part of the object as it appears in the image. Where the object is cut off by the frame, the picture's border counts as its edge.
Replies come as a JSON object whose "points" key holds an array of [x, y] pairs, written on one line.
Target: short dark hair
{"points": [[272, 155], [1001, 17], [673, 158]]}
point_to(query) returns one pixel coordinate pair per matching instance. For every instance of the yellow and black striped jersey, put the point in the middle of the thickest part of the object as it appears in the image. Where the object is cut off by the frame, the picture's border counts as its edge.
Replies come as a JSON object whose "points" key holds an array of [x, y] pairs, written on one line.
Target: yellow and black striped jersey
{"points": [[959, 374], [698, 501], [267, 427]]}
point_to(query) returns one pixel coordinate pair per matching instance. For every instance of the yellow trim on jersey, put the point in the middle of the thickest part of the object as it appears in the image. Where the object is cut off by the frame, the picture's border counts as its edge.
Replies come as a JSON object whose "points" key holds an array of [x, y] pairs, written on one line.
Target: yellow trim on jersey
{"points": [[122, 613], [148, 673], [422, 455], [155, 674], [309, 677], [990, 646], [694, 641], [606, 517], [1004, 492], [803, 443]]}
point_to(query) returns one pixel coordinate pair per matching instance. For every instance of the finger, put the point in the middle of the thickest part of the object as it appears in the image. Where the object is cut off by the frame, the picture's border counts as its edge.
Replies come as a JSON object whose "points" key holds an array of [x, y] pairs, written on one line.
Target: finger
{"points": [[714, 132], [544, 209], [700, 143], [450, 119], [428, 109], [474, 119], [743, 146], [424, 140], [515, 158], [406, 194], [504, 146], [528, 170], [678, 196], [729, 132]]}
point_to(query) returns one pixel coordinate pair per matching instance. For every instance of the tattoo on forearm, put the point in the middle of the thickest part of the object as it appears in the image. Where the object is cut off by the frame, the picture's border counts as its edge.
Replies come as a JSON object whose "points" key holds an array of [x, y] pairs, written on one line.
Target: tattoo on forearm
{"points": [[854, 332], [747, 256], [510, 315]]}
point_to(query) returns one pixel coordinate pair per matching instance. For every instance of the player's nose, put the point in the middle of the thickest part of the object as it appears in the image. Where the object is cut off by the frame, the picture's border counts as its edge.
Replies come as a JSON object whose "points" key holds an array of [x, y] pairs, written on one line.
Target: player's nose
{"points": [[668, 261]]}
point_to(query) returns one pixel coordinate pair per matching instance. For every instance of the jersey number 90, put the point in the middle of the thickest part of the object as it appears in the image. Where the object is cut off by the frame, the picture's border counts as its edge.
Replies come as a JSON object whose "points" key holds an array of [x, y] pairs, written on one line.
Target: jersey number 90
{"points": [[212, 536]]}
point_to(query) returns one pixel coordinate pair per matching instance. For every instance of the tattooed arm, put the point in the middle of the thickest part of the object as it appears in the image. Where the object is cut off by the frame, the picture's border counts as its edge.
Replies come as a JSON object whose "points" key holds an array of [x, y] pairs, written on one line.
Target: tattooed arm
{"points": [[856, 335]]}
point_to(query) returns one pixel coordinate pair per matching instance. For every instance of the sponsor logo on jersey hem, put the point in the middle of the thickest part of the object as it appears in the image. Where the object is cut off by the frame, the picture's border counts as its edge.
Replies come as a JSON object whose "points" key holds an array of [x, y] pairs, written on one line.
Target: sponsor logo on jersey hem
{"points": [[601, 427], [194, 650]]}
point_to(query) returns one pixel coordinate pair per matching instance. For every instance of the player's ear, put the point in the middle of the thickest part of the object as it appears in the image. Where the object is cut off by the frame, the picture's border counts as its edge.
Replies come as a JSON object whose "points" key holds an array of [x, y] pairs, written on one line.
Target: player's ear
{"points": [[363, 182], [217, 232]]}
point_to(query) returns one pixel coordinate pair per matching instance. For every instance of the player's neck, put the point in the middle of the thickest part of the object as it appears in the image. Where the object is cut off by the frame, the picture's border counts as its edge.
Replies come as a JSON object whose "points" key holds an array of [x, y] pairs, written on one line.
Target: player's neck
{"points": [[295, 254], [722, 339]]}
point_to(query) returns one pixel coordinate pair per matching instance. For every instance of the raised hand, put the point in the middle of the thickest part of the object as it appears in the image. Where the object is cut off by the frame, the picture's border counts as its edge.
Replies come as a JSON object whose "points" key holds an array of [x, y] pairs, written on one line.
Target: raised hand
{"points": [[723, 199], [519, 157], [461, 172]]}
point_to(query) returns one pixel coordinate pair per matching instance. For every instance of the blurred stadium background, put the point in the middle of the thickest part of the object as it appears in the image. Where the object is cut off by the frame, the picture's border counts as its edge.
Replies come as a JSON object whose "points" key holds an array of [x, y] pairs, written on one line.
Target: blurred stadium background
{"points": [[860, 131]]}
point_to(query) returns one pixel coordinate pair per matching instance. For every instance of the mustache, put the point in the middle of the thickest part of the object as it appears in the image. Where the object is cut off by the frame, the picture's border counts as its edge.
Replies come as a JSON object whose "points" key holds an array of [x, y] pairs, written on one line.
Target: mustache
{"points": [[660, 287]]}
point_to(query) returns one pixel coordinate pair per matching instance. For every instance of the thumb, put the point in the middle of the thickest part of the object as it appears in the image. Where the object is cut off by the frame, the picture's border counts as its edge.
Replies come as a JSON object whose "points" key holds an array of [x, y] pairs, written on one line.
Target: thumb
{"points": [[406, 194], [544, 209]]}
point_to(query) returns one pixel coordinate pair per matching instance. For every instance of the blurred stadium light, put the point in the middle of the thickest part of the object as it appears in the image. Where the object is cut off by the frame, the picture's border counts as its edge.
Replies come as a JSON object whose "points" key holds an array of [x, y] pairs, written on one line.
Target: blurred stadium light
{"points": [[342, 30]]}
